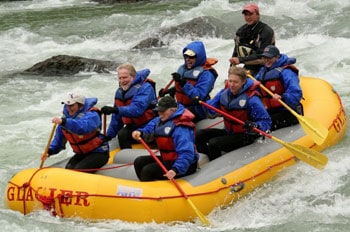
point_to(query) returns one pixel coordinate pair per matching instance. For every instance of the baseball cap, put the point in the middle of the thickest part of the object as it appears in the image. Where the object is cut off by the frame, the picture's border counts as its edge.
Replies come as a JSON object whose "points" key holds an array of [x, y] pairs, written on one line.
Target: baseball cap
{"points": [[251, 8], [74, 98], [189, 52], [271, 51], [165, 103]]}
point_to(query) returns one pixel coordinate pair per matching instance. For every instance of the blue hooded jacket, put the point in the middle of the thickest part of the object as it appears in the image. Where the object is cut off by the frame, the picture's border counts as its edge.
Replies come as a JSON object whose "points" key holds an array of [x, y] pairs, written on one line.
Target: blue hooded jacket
{"points": [[81, 123], [183, 138], [293, 93], [206, 79], [141, 101]]}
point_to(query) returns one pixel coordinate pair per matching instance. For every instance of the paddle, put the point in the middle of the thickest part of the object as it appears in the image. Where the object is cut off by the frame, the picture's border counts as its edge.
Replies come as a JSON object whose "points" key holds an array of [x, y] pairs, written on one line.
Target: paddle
{"points": [[167, 86], [104, 124], [48, 143], [204, 220], [312, 128], [312, 157]]}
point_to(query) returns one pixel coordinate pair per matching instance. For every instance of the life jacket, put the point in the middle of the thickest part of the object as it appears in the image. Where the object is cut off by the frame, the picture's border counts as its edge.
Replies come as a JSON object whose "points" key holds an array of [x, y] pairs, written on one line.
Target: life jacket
{"points": [[163, 135], [237, 107], [248, 40], [124, 99], [273, 81], [83, 144], [191, 76]]}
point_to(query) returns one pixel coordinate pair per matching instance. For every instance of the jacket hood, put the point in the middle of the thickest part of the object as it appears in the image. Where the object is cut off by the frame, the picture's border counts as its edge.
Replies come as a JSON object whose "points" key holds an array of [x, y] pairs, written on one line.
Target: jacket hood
{"points": [[184, 116], [249, 83], [199, 49], [178, 112], [141, 76], [283, 60]]}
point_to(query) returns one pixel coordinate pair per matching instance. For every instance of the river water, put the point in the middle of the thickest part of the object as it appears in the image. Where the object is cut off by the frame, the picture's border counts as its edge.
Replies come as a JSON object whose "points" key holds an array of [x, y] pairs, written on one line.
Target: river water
{"points": [[316, 32]]}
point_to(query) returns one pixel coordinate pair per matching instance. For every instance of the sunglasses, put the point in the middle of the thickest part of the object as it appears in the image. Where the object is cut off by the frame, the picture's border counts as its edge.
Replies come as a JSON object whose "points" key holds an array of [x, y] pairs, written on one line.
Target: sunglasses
{"points": [[190, 57], [247, 13]]}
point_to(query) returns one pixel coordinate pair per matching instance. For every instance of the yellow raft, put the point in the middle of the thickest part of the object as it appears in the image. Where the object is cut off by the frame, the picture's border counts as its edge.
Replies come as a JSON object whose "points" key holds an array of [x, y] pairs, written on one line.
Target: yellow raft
{"points": [[115, 192]]}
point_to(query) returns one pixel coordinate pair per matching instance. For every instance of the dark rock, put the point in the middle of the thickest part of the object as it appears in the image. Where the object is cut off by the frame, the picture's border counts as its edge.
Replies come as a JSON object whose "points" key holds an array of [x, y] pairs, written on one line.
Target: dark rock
{"points": [[119, 1], [69, 65], [205, 26]]}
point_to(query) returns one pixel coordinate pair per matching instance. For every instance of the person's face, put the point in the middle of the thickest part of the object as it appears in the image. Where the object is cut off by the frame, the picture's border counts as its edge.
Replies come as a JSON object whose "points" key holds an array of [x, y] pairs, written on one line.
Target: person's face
{"points": [[165, 115], [251, 18], [235, 83], [73, 109], [269, 61], [190, 61], [124, 79]]}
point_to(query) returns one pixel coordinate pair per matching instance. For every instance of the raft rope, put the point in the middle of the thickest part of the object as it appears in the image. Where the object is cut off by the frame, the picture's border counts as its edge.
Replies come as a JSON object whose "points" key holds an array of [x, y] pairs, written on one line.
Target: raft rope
{"points": [[49, 201]]}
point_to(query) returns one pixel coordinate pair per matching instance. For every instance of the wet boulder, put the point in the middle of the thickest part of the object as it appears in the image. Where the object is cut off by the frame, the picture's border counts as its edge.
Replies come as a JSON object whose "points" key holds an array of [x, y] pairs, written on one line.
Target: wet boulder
{"points": [[64, 65], [205, 26]]}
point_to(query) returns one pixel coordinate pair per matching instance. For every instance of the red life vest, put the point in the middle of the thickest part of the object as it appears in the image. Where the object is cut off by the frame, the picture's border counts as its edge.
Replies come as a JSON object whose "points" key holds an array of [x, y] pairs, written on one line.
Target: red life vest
{"points": [[83, 144], [237, 109], [181, 97], [163, 135], [272, 80], [145, 117]]}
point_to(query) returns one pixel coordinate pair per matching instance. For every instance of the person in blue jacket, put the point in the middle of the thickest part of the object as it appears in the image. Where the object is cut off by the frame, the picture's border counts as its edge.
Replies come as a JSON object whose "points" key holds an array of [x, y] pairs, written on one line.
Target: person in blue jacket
{"points": [[134, 102], [173, 131], [280, 76], [241, 100], [80, 125], [195, 78]]}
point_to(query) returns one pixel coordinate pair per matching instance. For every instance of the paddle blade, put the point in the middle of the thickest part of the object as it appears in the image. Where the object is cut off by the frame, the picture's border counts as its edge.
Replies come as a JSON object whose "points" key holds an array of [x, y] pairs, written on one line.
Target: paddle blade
{"points": [[312, 157], [314, 129], [201, 216]]}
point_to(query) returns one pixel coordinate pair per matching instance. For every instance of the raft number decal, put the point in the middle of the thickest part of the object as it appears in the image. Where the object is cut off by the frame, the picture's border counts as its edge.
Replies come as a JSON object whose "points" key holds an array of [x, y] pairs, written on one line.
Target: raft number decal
{"points": [[126, 191], [339, 122]]}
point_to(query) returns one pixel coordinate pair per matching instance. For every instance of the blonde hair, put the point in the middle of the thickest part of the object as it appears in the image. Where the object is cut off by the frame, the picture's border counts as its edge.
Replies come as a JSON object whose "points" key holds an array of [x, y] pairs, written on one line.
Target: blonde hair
{"points": [[238, 71], [129, 67]]}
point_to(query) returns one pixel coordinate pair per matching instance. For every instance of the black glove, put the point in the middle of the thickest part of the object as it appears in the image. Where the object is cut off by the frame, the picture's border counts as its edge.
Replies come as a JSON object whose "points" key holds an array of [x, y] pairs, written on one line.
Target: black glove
{"points": [[106, 138], [196, 100], [249, 125], [170, 91], [161, 92], [50, 152], [179, 79], [109, 110]]}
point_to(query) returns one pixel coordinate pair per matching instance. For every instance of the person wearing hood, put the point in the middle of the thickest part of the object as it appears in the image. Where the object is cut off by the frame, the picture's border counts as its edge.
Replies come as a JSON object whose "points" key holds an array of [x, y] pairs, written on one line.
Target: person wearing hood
{"points": [[134, 102], [194, 79], [280, 76], [251, 39], [80, 125], [173, 132], [241, 100]]}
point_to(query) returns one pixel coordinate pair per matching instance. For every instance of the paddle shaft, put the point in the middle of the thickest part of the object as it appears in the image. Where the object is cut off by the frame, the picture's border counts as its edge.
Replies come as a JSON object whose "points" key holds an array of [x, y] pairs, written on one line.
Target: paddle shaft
{"points": [[279, 100], [313, 158], [104, 124], [204, 220], [311, 127], [48, 143]]}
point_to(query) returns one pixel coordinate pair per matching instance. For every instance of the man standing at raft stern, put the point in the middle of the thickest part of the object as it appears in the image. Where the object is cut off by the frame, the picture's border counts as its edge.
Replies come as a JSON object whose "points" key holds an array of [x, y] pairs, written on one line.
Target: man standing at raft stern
{"points": [[193, 79], [173, 132], [80, 125], [251, 39], [133, 104]]}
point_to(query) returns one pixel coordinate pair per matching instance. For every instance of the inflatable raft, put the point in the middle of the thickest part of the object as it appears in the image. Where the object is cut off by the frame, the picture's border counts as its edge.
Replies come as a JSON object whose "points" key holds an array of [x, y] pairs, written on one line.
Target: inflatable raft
{"points": [[115, 193]]}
